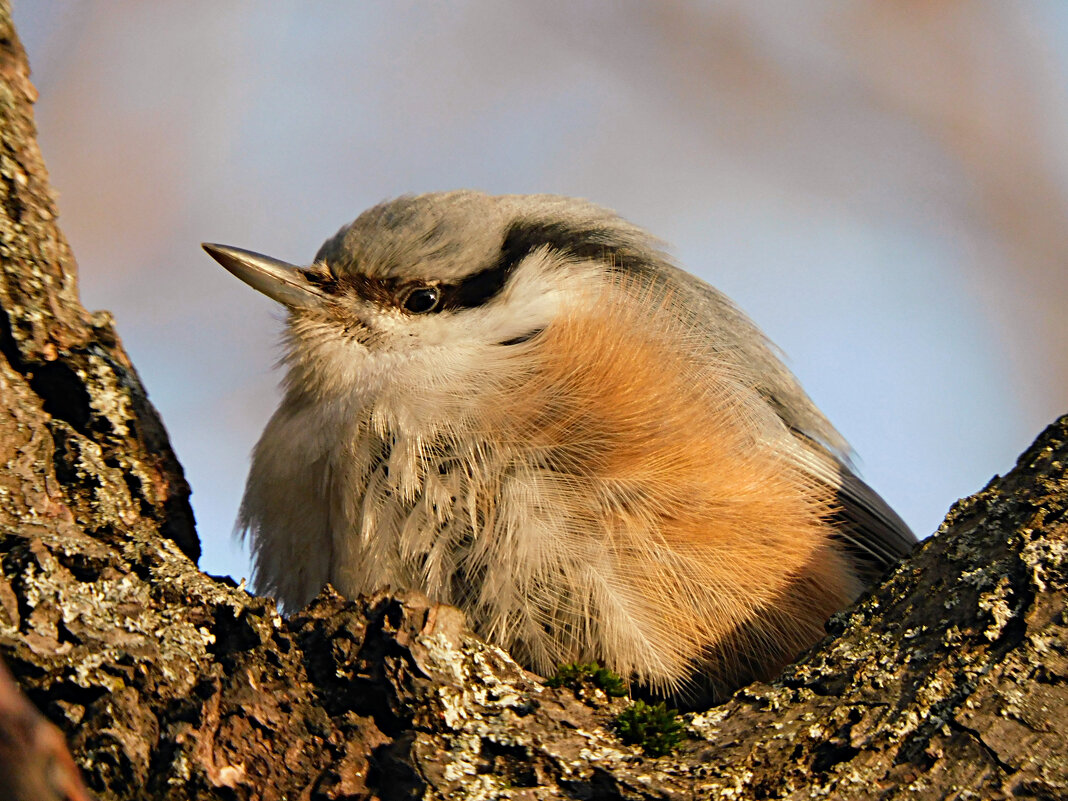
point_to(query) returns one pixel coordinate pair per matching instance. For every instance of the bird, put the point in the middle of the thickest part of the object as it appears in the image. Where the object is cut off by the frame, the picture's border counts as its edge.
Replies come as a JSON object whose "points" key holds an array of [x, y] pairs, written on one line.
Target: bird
{"points": [[521, 406]]}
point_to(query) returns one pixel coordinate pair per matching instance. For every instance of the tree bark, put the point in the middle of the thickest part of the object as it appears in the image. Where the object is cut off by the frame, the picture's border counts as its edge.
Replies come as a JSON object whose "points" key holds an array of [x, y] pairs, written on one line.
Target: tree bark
{"points": [[948, 680]]}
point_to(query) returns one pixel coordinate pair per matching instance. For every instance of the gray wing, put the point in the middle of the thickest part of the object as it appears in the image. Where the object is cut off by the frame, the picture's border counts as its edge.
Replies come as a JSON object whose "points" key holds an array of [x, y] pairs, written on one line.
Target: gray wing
{"points": [[868, 528]]}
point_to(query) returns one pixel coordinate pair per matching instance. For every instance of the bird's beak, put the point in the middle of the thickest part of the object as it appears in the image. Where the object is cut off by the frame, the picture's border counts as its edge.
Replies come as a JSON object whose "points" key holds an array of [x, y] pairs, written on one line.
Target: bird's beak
{"points": [[276, 279]]}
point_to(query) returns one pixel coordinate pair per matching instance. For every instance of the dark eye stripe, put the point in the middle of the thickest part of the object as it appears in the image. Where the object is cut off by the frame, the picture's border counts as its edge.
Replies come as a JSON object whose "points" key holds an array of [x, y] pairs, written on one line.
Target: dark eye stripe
{"points": [[477, 289], [323, 281], [521, 239], [582, 243]]}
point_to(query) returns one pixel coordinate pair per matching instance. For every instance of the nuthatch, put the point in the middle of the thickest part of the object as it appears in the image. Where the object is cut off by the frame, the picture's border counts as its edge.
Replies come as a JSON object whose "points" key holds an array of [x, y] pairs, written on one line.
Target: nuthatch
{"points": [[518, 405]]}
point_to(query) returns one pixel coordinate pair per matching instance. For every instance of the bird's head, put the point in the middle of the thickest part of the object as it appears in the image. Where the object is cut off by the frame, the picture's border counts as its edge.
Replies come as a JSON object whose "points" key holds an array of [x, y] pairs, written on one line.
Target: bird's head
{"points": [[425, 287]]}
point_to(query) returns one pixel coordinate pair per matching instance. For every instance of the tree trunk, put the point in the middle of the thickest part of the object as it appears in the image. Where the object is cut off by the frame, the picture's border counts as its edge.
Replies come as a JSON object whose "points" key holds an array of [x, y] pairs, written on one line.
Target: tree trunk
{"points": [[949, 680]]}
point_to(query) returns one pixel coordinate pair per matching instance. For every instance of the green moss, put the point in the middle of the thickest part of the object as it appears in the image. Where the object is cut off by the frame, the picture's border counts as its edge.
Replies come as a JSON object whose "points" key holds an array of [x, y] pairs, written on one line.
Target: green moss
{"points": [[655, 728], [577, 675]]}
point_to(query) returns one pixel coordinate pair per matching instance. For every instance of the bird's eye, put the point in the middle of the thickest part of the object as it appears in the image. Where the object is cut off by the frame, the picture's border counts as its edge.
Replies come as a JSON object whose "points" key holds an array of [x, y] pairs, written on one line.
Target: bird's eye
{"points": [[422, 299]]}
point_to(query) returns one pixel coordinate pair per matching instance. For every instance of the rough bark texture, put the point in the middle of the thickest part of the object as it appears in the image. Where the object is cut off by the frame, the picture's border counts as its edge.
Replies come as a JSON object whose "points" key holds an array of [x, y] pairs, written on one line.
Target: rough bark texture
{"points": [[948, 681]]}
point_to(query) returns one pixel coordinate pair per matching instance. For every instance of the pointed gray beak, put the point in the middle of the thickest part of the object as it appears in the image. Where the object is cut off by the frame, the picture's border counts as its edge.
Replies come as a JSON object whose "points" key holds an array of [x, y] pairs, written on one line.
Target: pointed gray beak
{"points": [[276, 279]]}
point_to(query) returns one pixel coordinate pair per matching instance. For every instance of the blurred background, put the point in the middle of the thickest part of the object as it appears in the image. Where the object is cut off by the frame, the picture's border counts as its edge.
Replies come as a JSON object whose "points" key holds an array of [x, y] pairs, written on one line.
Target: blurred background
{"points": [[881, 184]]}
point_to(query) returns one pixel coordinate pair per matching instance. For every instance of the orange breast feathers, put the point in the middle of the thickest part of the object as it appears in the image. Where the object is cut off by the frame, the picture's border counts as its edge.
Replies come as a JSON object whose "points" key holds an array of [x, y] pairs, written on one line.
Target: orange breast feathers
{"points": [[716, 543]]}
